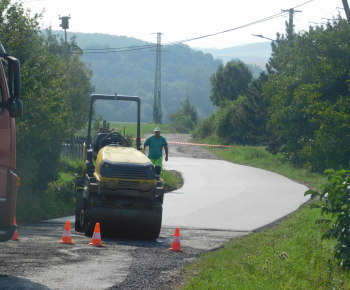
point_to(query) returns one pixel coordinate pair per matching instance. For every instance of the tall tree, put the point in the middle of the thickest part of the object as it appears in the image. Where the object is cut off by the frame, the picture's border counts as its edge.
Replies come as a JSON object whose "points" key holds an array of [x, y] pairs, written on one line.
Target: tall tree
{"points": [[80, 87], [229, 81], [184, 119], [309, 96], [243, 121], [45, 123]]}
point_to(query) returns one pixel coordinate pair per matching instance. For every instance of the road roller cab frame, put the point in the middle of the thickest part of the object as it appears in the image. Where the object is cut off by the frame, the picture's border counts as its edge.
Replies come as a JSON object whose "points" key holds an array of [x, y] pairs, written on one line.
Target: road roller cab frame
{"points": [[118, 188]]}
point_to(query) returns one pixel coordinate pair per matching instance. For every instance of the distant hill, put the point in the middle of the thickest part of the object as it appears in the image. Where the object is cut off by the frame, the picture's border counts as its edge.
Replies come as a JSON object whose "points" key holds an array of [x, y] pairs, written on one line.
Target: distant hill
{"points": [[184, 71], [255, 53]]}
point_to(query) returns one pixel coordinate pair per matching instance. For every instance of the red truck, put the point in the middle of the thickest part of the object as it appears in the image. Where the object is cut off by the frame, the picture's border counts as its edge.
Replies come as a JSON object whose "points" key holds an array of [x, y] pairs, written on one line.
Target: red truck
{"points": [[10, 108]]}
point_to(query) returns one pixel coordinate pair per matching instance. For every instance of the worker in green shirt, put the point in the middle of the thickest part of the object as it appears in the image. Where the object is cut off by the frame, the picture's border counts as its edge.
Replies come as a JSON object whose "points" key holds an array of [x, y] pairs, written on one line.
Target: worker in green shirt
{"points": [[155, 152]]}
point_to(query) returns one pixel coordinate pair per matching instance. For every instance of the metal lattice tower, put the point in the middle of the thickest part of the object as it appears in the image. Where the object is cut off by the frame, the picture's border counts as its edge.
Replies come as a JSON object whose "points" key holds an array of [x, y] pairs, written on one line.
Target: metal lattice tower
{"points": [[157, 103]]}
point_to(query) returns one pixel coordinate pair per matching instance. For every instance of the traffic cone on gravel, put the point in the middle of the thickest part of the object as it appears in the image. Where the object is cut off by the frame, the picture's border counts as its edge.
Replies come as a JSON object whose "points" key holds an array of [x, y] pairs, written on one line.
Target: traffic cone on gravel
{"points": [[176, 246], [67, 237], [15, 236], [96, 237]]}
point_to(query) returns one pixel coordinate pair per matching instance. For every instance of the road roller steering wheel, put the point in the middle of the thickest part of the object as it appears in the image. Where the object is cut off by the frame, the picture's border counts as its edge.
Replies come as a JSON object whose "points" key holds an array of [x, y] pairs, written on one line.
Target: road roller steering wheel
{"points": [[114, 138]]}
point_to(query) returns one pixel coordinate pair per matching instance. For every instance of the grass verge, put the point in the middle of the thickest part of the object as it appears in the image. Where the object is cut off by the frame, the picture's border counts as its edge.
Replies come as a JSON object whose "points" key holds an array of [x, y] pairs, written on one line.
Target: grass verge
{"points": [[58, 200], [260, 158], [145, 128], [291, 255], [172, 180]]}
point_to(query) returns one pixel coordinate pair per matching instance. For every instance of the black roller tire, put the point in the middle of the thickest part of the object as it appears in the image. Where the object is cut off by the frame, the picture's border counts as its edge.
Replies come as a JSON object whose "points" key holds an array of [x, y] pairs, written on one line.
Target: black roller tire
{"points": [[78, 207], [85, 223], [152, 233]]}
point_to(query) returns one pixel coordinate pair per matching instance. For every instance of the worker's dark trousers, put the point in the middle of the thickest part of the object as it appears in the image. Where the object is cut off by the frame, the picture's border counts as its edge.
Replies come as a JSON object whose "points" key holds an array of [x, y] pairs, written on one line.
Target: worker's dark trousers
{"points": [[158, 169]]}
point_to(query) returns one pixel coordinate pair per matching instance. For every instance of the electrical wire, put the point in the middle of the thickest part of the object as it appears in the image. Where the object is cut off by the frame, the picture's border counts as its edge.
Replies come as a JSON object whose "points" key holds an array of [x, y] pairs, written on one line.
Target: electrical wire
{"points": [[126, 49], [302, 4]]}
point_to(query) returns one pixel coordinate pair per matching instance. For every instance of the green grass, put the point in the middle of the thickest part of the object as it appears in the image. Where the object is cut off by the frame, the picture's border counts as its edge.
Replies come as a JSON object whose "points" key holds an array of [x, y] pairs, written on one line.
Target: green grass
{"points": [[33, 207], [288, 256], [68, 168], [171, 180], [145, 128], [256, 261], [260, 158], [58, 200]]}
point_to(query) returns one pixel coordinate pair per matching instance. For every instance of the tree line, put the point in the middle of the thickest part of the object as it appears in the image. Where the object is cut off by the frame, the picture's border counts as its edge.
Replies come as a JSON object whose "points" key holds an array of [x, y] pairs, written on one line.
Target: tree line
{"points": [[48, 118], [184, 71], [299, 108]]}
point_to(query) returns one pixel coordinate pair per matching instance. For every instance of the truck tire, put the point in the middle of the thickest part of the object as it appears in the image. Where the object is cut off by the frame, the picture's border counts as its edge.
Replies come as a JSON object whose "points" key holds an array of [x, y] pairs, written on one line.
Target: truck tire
{"points": [[78, 207]]}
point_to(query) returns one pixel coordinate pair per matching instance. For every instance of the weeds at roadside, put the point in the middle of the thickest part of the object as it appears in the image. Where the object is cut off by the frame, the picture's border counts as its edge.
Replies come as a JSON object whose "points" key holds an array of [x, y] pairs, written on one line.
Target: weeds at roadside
{"points": [[58, 200], [290, 255]]}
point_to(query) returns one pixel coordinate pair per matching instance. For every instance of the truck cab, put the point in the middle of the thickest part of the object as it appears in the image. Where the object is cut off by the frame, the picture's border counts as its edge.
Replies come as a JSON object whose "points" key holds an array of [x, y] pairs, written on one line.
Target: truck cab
{"points": [[10, 108]]}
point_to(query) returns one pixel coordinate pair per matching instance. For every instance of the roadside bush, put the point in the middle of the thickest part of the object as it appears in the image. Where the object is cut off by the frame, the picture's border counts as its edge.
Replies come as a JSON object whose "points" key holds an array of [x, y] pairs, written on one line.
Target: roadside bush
{"points": [[130, 138], [182, 124], [205, 128], [335, 213], [70, 165], [62, 190], [185, 118]]}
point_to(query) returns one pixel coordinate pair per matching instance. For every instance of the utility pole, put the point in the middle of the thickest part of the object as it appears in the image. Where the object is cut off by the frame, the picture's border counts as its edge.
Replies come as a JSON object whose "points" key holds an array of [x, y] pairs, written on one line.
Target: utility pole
{"points": [[157, 103], [347, 10], [290, 24], [65, 26]]}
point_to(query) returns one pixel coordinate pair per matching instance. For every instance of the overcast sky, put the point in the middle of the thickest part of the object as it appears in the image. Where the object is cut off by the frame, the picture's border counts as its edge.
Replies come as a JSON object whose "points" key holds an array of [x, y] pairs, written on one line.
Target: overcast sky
{"points": [[184, 19]]}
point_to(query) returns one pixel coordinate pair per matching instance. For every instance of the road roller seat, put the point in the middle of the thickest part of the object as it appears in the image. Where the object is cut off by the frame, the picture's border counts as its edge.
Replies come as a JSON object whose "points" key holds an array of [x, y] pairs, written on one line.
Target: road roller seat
{"points": [[96, 147]]}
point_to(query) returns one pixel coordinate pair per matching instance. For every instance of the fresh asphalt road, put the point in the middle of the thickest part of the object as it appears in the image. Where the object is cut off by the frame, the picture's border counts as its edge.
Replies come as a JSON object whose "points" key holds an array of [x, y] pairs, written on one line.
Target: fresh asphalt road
{"points": [[219, 201], [221, 195]]}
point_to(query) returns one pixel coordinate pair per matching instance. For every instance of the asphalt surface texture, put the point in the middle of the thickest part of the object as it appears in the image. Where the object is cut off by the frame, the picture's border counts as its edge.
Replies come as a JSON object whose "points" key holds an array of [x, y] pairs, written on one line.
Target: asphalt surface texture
{"points": [[38, 261]]}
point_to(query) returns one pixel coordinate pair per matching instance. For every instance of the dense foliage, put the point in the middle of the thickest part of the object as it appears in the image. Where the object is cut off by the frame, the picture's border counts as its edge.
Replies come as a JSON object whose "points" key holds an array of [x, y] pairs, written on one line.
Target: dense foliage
{"points": [[47, 119], [335, 213], [300, 108], [308, 91], [185, 118], [229, 81], [242, 110]]}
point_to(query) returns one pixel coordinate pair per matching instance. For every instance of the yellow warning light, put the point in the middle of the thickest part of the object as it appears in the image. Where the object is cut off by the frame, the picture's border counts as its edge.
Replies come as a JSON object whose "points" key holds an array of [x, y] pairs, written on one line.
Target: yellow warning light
{"points": [[17, 181]]}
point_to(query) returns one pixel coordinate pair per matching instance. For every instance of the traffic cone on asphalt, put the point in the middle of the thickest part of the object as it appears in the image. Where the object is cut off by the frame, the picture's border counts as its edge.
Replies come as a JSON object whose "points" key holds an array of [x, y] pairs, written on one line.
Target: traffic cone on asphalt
{"points": [[96, 237], [176, 246], [15, 236], [67, 238]]}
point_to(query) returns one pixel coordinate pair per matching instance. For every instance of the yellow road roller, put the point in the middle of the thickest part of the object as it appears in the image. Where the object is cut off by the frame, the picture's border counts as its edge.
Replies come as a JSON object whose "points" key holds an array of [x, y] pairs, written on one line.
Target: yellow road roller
{"points": [[118, 186]]}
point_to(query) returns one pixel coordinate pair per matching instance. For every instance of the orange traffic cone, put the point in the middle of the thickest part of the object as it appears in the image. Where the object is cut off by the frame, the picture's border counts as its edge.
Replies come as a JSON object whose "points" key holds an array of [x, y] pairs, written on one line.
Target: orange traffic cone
{"points": [[67, 238], [176, 246], [15, 236], [96, 237]]}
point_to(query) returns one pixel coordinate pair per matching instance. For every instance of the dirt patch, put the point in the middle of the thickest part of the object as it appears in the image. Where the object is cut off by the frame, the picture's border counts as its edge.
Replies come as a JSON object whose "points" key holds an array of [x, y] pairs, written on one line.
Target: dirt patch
{"points": [[185, 149]]}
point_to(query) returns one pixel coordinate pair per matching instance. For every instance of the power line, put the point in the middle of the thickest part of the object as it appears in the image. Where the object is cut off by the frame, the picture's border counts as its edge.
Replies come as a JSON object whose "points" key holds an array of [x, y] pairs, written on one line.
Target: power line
{"points": [[127, 49], [185, 40], [302, 4]]}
